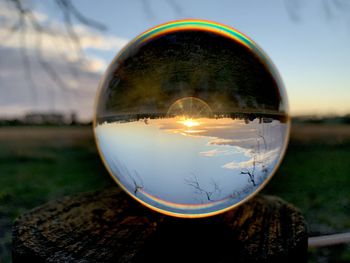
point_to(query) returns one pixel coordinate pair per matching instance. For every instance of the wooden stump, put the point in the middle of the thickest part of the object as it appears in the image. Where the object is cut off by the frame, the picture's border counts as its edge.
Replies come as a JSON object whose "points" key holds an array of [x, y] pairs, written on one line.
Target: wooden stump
{"points": [[108, 226]]}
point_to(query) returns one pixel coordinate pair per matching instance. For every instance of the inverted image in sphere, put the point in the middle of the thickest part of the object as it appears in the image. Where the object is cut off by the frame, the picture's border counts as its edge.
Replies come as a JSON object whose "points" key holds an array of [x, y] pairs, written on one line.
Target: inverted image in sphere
{"points": [[191, 118]]}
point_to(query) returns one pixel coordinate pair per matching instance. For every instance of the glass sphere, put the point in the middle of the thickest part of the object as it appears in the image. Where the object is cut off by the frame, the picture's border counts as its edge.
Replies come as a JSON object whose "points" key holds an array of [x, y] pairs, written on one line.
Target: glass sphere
{"points": [[191, 118]]}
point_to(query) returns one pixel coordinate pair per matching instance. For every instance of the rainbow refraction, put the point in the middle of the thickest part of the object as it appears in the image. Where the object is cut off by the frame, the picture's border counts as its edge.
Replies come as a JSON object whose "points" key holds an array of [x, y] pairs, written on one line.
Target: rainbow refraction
{"points": [[195, 25], [202, 25]]}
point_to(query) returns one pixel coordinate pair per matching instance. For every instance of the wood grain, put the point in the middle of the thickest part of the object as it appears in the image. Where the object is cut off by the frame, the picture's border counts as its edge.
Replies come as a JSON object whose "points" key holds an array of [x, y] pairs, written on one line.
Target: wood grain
{"points": [[108, 226]]}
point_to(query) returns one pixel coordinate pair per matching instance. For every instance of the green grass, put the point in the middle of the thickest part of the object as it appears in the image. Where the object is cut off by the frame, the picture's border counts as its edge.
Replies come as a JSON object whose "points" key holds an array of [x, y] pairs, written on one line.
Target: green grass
{"points": [[315, 178], [40, 164], [36, 169]]}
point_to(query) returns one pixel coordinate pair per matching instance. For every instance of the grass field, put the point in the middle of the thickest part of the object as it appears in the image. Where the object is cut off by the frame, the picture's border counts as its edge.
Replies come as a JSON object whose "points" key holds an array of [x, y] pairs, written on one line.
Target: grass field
{"points": [[38, 164]]}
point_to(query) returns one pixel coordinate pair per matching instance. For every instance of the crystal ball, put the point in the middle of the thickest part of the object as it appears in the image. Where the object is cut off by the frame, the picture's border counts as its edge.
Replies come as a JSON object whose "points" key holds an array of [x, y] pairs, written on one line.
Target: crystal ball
{"points": [[191, 118]]}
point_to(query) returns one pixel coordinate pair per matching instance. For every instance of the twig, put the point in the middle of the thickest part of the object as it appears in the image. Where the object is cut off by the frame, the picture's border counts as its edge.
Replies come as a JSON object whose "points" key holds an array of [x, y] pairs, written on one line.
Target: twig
{"points": [[329, 240]]}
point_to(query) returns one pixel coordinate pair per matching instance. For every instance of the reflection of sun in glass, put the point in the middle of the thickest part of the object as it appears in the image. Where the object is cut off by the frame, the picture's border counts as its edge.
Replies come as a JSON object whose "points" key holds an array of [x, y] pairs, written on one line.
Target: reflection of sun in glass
{"points": [[189, 123], [189, 112]]}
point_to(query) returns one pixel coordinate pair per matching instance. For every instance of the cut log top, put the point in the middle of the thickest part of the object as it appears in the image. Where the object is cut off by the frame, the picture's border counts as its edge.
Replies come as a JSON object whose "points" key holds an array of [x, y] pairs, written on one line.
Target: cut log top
{"points": [[108, 226]]}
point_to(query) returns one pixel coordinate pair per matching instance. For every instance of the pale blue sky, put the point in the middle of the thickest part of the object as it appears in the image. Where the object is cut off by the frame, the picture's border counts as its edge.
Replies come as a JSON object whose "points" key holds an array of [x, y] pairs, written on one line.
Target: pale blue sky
{"points": [[311, 52]]}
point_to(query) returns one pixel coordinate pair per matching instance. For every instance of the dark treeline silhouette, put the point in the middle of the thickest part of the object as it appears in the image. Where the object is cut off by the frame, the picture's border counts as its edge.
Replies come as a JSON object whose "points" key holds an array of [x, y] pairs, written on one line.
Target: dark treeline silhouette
{"points": [[247, 117], [44, 119], [316, 119], [262, 118]]}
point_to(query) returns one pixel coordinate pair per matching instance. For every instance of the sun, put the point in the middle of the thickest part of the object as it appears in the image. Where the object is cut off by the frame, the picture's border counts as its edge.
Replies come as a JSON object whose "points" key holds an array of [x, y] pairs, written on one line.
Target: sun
{"points": [[190, 123], [189, 111]]}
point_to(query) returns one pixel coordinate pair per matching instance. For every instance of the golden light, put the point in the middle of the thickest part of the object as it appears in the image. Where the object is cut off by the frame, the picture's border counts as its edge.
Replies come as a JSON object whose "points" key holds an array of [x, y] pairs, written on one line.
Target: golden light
{"points": [[190, 123]]}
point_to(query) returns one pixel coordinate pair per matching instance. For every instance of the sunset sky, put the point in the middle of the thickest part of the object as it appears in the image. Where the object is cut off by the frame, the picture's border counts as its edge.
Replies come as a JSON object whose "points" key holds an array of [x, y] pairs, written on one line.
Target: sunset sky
{"points": [[307, 41]]}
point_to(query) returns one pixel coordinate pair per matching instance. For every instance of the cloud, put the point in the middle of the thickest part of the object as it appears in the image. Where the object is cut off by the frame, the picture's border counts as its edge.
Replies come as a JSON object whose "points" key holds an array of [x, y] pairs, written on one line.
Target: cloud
{"points": [[231, 132], [95, 40], [59, 44], [26, 81], [20, 95], [246, 142], [236, 165], [94, 64], [216, 152], [53, 36], [8, 12], [265, 158]]}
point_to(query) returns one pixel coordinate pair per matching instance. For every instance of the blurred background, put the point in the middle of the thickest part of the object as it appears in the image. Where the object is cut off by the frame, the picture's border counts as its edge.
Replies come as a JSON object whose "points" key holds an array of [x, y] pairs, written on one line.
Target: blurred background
{"points": [[53, 53]]}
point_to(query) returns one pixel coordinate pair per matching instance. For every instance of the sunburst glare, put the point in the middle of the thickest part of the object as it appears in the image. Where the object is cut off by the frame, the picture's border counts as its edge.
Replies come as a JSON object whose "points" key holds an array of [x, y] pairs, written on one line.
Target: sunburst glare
{"points": [[189, 123]]}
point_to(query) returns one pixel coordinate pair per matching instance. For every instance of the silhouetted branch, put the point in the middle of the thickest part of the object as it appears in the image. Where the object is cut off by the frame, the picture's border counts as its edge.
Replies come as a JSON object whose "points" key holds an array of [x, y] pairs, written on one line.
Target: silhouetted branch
{"points": [[330, 7], [176, 7], [148, 10], [69, 8], [194, 183], [26, 19], [293, 9], [137, 185], [251, 176], [264, 141], [26, 63], [11, 30], [216, 187], [151, 15]]}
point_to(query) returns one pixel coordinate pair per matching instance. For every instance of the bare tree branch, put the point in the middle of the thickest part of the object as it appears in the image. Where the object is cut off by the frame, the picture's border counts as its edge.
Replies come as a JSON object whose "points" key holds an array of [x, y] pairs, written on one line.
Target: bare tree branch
{"points": [[68, 5], [137, 181], [176, 7], [151, 15], [27, 24], [26, 19], [194, 183], [26, 65], [293, 9], [330, 7], [148, 10], [251, 176], [65, 7]]}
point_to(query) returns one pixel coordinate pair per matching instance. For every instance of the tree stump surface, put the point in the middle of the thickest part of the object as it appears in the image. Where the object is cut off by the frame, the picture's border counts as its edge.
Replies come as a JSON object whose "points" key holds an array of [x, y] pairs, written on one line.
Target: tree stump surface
{"points": [[108, 226]]}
